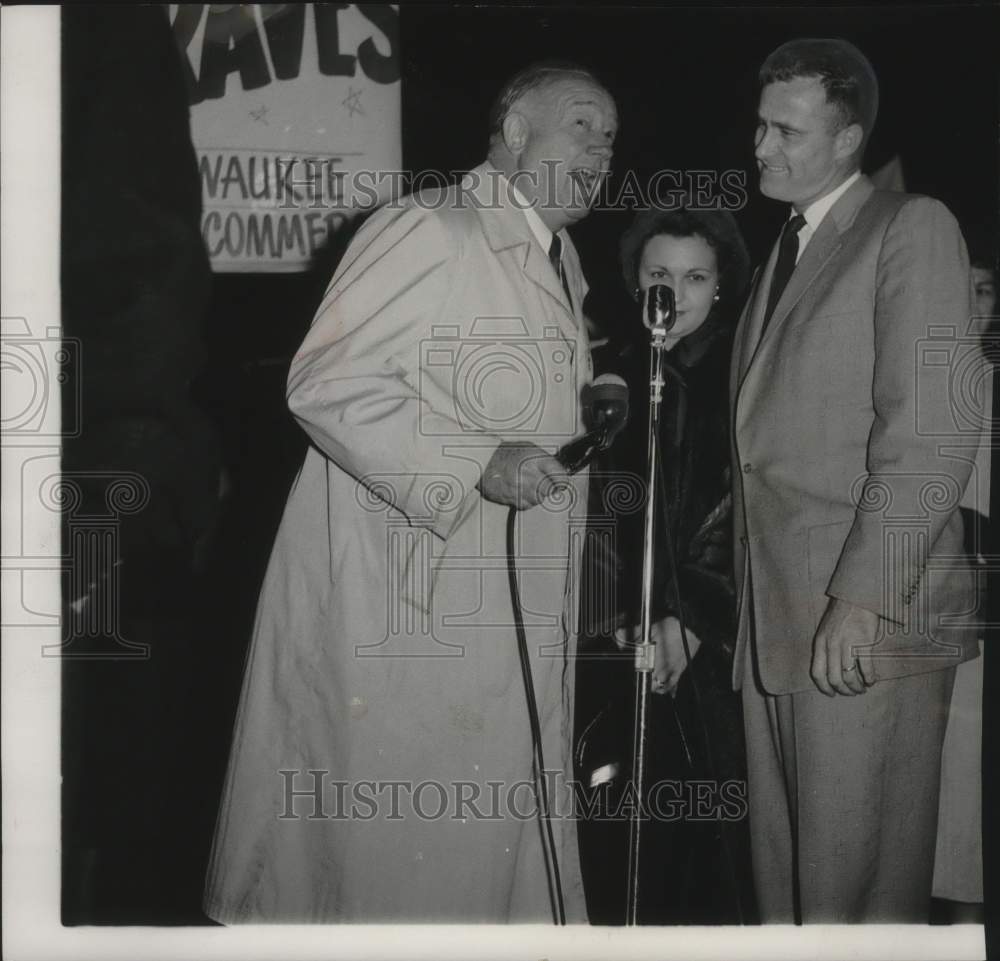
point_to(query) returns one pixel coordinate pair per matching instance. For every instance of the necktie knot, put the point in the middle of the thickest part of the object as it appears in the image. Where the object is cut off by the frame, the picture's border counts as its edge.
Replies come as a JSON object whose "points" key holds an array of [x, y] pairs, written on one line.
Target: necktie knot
{"points": [[791, 230]]}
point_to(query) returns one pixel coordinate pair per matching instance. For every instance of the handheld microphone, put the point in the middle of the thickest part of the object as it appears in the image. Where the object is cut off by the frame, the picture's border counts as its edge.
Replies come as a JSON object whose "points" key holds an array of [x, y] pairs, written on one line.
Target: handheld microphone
{"points": [[605, 414], [605, 405], [658, 311]]}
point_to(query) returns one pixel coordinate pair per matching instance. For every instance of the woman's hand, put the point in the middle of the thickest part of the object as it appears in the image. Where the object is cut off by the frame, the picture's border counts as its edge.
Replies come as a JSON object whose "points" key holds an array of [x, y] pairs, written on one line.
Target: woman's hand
{"points": [[670, 661]]}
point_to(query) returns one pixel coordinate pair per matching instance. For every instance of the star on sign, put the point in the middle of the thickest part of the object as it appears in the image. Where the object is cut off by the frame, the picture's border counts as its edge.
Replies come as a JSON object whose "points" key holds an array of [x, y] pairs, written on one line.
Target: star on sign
{"points": [[353, 102], [260, 115]]}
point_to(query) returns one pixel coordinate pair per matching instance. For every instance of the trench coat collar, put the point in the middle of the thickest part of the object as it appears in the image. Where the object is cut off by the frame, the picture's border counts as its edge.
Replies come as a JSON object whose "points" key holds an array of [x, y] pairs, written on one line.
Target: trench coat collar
{"points": [[506, 228]]}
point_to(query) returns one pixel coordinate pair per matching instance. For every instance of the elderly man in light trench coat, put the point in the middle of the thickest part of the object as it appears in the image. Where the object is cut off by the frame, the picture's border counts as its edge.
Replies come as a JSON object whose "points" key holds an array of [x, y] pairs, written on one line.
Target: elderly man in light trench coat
{"points": [[381, 759]]}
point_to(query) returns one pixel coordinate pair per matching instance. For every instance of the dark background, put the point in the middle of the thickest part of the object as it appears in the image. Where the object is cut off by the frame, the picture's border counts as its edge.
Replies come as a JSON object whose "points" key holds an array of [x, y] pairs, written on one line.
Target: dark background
{"points": [[684, 79]]}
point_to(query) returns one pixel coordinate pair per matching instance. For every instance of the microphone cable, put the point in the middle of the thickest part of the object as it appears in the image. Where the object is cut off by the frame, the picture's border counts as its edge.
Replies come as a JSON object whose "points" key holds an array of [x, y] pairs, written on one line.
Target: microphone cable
{"points": [[537, 758], [574, 457]]}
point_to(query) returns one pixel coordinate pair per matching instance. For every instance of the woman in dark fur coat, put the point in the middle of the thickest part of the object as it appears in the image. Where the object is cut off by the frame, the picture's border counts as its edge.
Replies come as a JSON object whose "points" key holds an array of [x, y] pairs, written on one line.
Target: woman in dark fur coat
{"points": [[694, 853]]}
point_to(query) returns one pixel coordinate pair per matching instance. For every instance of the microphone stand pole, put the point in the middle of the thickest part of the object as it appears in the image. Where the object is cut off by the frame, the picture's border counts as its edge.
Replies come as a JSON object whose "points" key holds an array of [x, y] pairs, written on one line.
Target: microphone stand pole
{"points": [[645, 650]]}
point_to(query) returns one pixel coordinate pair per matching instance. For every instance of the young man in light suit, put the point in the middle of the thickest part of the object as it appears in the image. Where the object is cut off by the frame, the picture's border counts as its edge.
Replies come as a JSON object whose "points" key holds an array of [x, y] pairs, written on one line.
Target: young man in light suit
{"points": [[382, 760], [855, 592]]}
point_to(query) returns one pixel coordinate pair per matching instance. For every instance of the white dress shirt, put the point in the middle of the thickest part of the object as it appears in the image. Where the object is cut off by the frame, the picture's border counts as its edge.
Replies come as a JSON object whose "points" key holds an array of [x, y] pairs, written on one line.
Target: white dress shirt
{"points": [[542, 233], [817, 210]]}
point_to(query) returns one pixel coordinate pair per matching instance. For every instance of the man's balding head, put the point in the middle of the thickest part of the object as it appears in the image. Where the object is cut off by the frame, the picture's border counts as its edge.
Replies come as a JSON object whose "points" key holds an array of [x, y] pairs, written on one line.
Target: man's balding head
{"points": [[551, 133]]}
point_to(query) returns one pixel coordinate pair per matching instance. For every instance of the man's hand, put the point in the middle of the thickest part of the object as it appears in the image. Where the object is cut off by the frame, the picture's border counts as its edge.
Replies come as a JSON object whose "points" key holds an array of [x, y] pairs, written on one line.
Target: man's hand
{"points": [[670, 661], [843, 631], [521, 475]]}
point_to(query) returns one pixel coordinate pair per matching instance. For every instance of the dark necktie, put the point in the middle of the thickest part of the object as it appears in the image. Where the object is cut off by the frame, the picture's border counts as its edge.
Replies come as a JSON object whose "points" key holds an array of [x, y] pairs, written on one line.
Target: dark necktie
{"points": [[787, 252], [555, 255]]}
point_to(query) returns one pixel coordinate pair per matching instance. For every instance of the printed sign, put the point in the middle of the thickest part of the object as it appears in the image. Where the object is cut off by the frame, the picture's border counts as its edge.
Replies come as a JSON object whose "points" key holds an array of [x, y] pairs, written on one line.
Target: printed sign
{"points": [[295, 116]]}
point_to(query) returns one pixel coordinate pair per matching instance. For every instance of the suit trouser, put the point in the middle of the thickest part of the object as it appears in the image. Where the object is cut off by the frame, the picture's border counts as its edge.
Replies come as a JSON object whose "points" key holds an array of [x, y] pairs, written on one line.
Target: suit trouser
{"points": [[843, 796]]}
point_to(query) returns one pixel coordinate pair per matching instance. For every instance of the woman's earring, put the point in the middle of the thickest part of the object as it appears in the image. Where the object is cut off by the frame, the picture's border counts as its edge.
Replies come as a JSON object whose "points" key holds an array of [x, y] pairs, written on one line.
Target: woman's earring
{"points": [[715, 299]]}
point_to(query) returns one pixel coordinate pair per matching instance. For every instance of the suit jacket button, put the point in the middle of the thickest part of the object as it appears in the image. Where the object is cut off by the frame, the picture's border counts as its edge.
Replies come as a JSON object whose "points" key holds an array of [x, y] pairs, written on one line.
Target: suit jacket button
{"points": [[747, 467]]}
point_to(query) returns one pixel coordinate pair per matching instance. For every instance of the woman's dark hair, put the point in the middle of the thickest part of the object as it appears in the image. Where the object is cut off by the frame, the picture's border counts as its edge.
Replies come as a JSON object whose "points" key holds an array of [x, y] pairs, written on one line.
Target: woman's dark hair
{"points": [[716, 227]]}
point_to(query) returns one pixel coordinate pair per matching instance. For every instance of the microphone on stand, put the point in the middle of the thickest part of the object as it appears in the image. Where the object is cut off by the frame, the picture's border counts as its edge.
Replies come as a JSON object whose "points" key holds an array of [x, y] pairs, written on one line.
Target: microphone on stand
{"points": [[658, 316], [605, 404], [658, 313]]}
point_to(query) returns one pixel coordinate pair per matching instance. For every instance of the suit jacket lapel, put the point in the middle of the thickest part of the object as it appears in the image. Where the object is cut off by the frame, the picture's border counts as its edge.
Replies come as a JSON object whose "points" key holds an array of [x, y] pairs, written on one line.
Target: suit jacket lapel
{"points": [[754, 320], [823, 246]]}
